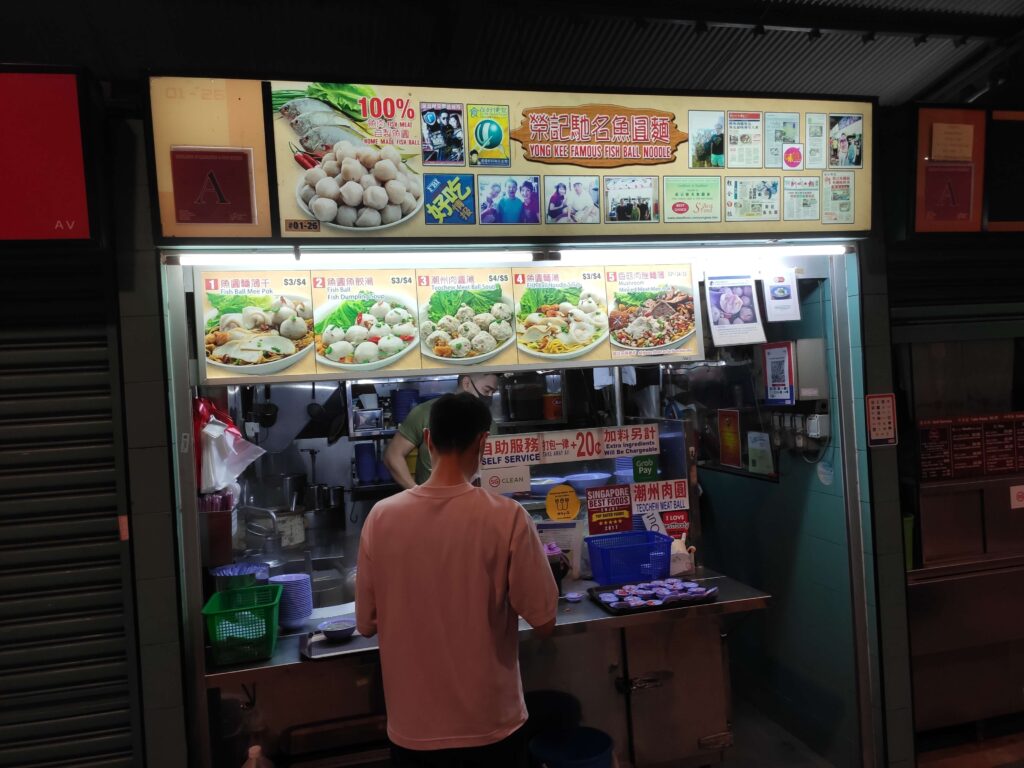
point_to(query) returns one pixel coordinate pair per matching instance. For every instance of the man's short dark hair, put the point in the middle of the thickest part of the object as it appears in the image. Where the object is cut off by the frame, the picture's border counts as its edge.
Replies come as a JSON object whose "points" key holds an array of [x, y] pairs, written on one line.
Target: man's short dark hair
{"points": [[456, 420]]}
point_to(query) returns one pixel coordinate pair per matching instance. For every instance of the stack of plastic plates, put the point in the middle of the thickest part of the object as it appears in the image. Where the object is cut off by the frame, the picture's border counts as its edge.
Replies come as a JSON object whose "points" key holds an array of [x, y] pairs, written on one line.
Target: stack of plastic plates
{"points": [[296, 599], [403, 402]]}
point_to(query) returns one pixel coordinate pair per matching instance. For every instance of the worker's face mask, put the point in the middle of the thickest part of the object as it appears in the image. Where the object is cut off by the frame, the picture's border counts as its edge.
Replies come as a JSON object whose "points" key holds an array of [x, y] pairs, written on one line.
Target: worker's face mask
{"points": [[485, 399]]}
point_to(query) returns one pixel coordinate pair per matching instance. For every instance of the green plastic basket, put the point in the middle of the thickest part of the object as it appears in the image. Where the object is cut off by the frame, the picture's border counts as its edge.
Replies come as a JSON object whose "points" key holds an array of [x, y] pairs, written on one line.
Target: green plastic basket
{"points": [[242, 623]]}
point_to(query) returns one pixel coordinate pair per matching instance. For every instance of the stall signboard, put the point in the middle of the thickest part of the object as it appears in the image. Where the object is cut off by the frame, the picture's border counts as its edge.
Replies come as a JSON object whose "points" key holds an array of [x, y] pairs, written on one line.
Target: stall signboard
{"points": [[257, 324], [561, 313], [210, 157], [655, 312], [609, 509], [374, 161], [466, 318], [43, 185], [365, 321]]}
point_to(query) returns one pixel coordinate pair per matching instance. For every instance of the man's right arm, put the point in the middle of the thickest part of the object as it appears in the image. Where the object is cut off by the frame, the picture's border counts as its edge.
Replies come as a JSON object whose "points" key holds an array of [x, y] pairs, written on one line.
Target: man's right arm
{"points": [[394, 459]]}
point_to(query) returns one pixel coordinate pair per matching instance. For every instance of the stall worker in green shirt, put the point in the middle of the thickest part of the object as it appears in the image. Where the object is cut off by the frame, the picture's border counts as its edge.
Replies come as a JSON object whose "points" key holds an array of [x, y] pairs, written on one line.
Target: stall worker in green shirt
{"points": [[410, 432]]}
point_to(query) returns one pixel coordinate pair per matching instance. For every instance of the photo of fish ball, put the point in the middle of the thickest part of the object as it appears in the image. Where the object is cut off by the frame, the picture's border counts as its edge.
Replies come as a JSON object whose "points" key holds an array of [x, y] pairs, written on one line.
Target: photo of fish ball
{"points": [[368, 187]]}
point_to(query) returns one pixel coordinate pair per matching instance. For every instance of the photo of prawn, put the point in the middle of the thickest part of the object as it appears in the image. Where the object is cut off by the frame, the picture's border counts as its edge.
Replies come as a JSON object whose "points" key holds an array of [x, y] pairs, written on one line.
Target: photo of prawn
{"points": [[443, 133], [707, 139], [631, 200], [509, 199]]}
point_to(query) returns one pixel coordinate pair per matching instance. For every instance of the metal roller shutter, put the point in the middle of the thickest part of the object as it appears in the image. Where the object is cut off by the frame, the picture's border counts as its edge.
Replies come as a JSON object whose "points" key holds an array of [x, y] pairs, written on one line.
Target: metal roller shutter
{"points": [[68, 671]]}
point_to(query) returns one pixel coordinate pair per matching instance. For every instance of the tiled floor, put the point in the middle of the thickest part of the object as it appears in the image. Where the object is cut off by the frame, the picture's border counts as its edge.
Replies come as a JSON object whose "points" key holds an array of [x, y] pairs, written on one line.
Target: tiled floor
{"points": [[1000, 752], [759, 742]]}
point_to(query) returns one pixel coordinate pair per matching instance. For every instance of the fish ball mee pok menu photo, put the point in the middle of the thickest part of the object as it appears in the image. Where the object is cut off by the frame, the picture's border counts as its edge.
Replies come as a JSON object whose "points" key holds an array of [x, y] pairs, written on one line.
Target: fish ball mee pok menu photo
{"points": [[466, 317], [366, 320], [255, 324], [561, 314], [654, 311]]}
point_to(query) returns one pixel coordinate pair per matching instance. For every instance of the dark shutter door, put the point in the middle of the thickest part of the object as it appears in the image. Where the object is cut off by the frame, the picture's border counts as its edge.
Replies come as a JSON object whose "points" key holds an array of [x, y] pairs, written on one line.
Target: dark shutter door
{"points": [[68, 691]]}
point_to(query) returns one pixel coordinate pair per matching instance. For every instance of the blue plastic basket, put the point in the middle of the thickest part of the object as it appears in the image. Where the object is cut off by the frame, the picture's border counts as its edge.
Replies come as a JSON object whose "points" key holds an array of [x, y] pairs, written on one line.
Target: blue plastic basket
{"points": [[618, 558]]}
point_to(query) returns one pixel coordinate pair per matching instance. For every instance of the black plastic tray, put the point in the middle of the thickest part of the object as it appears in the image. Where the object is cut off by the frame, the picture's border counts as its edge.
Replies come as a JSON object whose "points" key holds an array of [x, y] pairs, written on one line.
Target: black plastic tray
{"points": [[710, 596]]}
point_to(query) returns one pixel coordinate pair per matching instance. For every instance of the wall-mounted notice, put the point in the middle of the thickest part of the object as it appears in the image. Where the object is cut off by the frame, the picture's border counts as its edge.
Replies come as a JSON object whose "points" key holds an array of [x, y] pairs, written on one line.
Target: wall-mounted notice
{"points": [[733, 311], [729, 440], [466, 317], [801, 198], [693, 198], [561, 313], [744, 140], [781, 295], [609, 509], [255, 324], [838, 199], [779, 374], [654, 311], [366, 320], [752, 198], [881, 415], [213, 185], [780, 128], [816, 139]]}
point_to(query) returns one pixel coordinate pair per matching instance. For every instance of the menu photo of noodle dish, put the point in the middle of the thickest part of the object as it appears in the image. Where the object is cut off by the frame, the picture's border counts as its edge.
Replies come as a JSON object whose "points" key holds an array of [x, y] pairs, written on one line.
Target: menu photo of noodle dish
{"points": [[256, 323], [654, 311], [561, 313]]}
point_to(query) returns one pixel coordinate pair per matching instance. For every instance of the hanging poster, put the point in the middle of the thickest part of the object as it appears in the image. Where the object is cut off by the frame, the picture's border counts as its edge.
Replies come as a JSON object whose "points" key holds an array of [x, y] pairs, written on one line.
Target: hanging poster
{"points": [[752, 198], [631, 200], [561, 313], [837, 205], [255, 323], [759, 453], [730, 446], [609, 509], [733, 311], [693, 198], [365, 320], [466, 317], [488, 131], [572, 200], [655, 311], [846, 141], [781, 295], [707, 139], [816, 139], [780, 128], [801, 198], [744, 140]]}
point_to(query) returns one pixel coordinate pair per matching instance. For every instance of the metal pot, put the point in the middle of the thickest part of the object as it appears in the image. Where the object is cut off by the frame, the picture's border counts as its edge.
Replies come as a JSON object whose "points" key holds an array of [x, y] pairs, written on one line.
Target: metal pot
{"points": [[336, 497], [317, 497], [292, 484]]}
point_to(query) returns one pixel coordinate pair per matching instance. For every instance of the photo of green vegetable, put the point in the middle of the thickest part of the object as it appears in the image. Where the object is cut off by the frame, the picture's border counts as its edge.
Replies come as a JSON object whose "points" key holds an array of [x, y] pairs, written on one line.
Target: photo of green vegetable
{"points": [[466, 326]]}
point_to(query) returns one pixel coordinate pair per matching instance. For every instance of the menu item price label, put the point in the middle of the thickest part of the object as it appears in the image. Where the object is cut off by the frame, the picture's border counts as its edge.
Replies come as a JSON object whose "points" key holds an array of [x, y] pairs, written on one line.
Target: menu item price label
{"points": [[511, 451], [639, 440], [881, 415], [609, 509], [571, 445], [562, 503]]}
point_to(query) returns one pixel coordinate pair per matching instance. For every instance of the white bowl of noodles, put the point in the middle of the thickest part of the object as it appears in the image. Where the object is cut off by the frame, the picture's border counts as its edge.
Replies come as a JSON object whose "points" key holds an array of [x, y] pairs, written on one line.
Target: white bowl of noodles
{"points": [[566, 334], [385, 358], [279, 352], [474, 356]]}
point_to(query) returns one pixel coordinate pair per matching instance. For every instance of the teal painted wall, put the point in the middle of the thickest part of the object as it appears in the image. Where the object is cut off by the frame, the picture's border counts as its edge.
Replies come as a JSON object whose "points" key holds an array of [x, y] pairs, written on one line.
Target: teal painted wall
{"points": [[795, 660]]}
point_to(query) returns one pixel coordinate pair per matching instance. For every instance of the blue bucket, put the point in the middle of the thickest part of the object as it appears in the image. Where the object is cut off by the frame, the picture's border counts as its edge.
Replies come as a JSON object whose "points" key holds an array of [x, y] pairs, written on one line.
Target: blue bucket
{"points": [[579, 748]]}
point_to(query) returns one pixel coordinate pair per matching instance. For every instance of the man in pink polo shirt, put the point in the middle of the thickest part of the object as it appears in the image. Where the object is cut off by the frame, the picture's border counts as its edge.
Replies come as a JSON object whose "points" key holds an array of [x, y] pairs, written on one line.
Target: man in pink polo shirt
{"points": [[445, 570]]}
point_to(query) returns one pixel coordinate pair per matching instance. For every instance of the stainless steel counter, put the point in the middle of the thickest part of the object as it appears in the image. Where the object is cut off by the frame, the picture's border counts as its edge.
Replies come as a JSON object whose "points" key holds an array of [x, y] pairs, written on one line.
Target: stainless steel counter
{"points": [[733, 597]]}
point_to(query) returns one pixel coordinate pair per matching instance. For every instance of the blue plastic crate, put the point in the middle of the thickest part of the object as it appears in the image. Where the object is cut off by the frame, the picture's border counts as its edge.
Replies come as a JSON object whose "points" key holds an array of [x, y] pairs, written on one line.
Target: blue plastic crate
{"points": [[618, 558]]}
